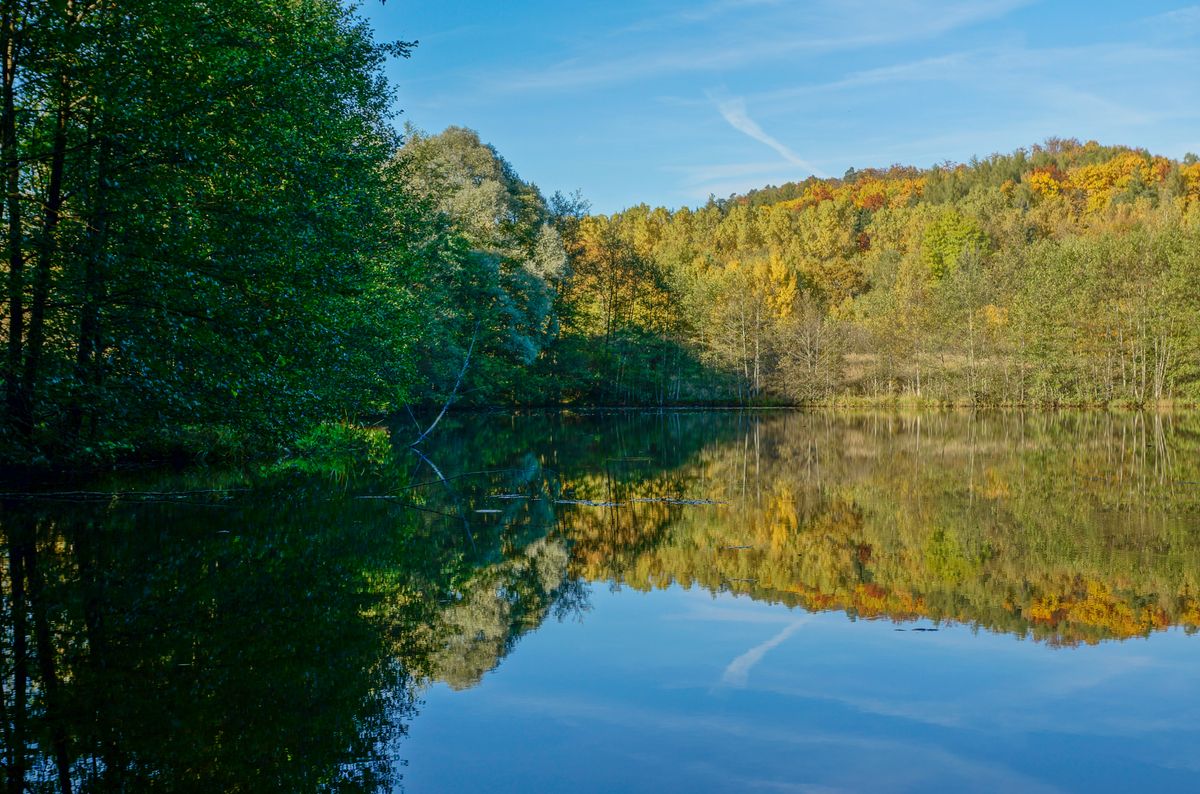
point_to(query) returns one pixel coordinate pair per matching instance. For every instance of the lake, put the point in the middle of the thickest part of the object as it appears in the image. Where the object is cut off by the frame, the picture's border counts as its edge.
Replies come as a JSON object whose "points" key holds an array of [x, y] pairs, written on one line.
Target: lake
{"points": [[624, 601]]}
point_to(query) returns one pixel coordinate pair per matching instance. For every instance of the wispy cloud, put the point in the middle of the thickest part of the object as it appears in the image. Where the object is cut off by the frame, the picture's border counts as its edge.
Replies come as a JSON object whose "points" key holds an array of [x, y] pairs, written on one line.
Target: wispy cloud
{"points": [[904, 764], [775, 30], [1083, 104], [1179, 23], [1005, 67], [701, 13], [935, 68], [1089, 91]]}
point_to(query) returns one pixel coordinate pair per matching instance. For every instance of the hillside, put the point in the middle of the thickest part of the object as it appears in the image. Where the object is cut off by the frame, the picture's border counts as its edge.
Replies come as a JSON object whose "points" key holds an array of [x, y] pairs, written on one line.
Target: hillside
{"points": [[1062, 274]]}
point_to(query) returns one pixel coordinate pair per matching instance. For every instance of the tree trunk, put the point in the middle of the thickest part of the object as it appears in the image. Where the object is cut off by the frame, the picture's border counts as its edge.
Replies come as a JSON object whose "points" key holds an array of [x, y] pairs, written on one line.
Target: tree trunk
{"points": [[46, 247], [88, 370], [10, 156]]}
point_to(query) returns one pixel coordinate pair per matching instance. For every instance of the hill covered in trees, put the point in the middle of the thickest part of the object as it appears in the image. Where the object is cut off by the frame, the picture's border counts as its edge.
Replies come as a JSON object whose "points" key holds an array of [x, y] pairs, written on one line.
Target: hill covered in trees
{"points": [[215, 240], [1061, 274]]}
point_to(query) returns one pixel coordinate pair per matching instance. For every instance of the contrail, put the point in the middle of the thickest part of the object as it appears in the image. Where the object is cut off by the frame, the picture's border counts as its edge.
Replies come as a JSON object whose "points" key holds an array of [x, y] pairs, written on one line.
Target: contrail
{"points": [[734, 112]]}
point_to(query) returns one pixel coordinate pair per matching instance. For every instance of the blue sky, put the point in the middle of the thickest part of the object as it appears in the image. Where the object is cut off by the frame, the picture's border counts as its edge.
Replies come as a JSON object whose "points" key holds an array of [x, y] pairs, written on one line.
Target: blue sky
{"points": [[666, 102]]}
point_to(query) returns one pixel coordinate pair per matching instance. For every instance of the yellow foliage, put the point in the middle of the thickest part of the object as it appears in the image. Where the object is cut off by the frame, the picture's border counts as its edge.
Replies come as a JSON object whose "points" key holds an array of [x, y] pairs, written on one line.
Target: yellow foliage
{"points": [[995, 485], [768, 279], [1190, 615], [1043, 183], [995, 316], [1043, 609], [1100, 181], [870, 194], [1191, 178], [783, 287]]}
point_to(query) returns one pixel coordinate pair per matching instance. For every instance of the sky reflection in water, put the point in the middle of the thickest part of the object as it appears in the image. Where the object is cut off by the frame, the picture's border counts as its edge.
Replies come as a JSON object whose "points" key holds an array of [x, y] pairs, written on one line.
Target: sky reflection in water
{"points": [[678, 690]]}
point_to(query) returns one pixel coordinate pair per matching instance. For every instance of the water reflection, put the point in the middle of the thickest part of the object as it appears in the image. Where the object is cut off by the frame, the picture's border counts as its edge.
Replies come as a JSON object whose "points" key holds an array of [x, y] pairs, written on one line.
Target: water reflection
{"points": [[157, 647], [278, 638], [1071, 529]]}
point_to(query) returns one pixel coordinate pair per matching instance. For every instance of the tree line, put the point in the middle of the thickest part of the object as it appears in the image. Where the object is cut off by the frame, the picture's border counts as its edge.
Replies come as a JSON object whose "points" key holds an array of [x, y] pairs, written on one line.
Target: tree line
{"points": [[215, 239], [1061, 274], [1065, 274]]}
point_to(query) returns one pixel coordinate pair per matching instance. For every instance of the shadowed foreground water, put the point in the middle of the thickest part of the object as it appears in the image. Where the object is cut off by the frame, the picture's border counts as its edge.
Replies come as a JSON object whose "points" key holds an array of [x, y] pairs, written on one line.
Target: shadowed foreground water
{"points": [[695, 601]]}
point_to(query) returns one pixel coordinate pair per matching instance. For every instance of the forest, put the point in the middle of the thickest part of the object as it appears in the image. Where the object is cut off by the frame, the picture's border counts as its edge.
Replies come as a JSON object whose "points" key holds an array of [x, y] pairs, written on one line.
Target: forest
{"points": [[217, 241]]}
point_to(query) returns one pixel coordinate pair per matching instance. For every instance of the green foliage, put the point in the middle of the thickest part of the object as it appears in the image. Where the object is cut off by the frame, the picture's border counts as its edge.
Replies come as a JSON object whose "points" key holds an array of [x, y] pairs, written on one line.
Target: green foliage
{"points": [[499, 282], [337, 449], [947, 239], [208, 240]]}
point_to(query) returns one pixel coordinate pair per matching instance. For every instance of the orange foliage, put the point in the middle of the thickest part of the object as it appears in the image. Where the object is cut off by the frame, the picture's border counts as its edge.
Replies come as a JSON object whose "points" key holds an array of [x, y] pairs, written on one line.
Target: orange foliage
{"points": [[1097, 606], [896, 187], [870, 194], [814, 194]]}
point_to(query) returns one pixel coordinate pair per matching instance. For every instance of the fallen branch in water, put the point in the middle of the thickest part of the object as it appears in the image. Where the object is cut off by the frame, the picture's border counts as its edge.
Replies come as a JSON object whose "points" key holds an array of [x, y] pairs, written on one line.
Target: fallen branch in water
{"points": [[449, 488], [453, 392], [587, 503], [667, 500]]}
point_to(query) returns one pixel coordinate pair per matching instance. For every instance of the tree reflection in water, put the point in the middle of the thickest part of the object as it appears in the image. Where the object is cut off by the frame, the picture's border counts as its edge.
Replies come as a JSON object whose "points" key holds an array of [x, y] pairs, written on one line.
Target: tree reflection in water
{"points": [[279, 638]]}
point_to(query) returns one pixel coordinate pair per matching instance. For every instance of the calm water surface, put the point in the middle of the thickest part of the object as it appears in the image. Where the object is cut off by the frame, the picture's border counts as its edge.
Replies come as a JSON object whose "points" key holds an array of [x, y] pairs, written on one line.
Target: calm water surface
{"points": [[689, 601]]}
